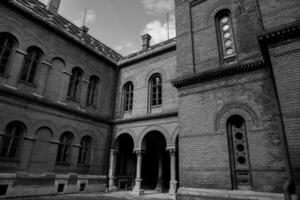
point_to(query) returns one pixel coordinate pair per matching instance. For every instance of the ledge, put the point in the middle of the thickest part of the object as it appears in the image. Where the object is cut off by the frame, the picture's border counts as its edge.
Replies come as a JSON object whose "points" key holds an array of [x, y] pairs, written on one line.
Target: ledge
{"points": [[147, 117], [4, 91], [279, 34], [218, 73]]}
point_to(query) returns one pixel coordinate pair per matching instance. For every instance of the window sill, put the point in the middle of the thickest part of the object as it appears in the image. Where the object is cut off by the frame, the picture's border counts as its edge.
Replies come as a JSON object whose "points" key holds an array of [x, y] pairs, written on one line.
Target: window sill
{"points": [[27, 83], [13, 160], [63, 164], [73, 99], [156, 106]]}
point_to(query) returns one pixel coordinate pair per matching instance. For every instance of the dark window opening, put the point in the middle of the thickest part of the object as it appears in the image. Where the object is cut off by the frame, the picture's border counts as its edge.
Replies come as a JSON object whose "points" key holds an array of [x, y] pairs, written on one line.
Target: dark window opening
{"points": [[75, 84], [7, 45], [85, 151], [82, 187], [61, 187], [3, 190], [128, 97], [64, 150], [30, 64], [93, 91], [155, 90]]}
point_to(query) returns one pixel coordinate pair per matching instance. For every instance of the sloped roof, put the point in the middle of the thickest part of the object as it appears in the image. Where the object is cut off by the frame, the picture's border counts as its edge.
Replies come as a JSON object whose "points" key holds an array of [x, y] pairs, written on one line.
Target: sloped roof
{"points": [[38, 10]]}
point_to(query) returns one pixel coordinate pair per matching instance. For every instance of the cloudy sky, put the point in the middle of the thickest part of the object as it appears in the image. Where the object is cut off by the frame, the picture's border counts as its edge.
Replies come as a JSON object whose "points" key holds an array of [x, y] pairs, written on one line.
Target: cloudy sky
{"points": [[120, 23]]}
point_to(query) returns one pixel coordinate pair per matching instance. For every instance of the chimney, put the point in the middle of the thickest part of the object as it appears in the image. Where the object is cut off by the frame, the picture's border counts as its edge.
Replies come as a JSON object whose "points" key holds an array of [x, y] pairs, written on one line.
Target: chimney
{"points": [[53, 5], [146, 41], [85, 29]]}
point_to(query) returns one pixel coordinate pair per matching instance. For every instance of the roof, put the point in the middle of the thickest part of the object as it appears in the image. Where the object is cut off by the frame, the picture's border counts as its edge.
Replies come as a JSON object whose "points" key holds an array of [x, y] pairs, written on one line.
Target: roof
{"points": [[150, 51], [38, 10]]}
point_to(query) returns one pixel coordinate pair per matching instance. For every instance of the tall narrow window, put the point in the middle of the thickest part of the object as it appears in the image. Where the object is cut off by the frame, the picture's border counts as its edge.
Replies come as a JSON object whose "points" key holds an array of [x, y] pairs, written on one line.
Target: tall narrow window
{"points": [[7, 45], [225, 36], [155, 90], [11, 140], [30, 64], [238, 150], [128, 97], [93, 91], [75, 84], [64, 150], [85, 151]]}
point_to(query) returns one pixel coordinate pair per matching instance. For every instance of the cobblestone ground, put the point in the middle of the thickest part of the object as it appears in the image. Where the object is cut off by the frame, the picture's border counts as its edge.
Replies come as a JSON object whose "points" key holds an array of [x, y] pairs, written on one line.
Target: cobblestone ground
{"points": [[113, 196]]}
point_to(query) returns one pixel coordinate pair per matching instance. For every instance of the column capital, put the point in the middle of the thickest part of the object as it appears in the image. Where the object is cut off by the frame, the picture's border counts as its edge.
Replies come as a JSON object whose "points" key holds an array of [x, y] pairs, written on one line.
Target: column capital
{"points": [[138, 151], [113, 151], [46, 63], [171, 150]]}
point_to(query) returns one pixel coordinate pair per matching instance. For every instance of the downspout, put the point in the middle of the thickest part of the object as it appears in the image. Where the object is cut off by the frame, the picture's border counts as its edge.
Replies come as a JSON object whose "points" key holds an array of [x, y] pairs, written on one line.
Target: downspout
{"points": [[192, 37]]}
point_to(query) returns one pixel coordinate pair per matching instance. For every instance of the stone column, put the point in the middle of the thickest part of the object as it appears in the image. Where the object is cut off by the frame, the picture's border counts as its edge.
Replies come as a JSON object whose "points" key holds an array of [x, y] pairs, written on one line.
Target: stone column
{"points": [[42, 79], [84, 91], [173, 182], [137, 187], [26, 153], [160, 174], [15, 68], [64, 87], [112, 170], [53, 149]]}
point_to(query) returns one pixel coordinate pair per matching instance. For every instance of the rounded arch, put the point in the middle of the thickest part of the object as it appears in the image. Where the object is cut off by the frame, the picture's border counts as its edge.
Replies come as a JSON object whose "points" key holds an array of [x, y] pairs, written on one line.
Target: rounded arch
{"points": [[11, 117], [12, 37], [58, 59], [121, 132], [65, 129], [175, 134], [236, 108], [37, 49], [160, 71], [164, 132], [45, 124], [16, 122], [115, 144], [236, 7], [88, 133]]}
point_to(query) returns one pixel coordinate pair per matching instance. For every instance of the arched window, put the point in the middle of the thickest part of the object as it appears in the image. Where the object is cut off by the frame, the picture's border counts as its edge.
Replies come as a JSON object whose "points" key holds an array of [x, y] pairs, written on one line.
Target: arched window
{"points": [[11, 140], [75, 84], [7, 45], [84, 156], [225, 36], [30, 64], [128, 97], [93, 91], [65, 146], [155, 90], [238, 151]]}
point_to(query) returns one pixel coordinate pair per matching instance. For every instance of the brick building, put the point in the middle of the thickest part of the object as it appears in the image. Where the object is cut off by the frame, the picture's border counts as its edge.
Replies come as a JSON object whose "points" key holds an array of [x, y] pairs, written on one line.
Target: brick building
{"points": [[212, 114]]}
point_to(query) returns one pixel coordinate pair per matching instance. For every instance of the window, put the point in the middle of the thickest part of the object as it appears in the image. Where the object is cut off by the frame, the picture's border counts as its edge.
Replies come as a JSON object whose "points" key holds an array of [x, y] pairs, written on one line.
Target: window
{"points": [[75, 84], [30, 64], [238, 151], [225, 35], [155, 90], [93, 91], [64, 150], [128, 97], [11, 140], [85, 151], [7, 45]]}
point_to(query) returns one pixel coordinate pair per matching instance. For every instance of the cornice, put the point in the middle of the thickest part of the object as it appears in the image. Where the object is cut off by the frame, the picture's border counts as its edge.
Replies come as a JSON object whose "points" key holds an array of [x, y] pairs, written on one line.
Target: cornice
{"points": [[4, 91], [147, 117], [218, 73], [280, 34]]}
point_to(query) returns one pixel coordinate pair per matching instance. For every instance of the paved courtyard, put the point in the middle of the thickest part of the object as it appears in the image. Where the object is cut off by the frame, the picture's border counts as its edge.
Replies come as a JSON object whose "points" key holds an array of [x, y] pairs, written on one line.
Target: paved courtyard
{"points": [[149, 195]]}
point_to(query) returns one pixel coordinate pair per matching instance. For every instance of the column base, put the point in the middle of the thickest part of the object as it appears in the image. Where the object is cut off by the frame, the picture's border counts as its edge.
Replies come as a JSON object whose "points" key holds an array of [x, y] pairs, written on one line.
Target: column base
{"points": [[173, 187], [158, 187], [137, 188], [112, 187]]}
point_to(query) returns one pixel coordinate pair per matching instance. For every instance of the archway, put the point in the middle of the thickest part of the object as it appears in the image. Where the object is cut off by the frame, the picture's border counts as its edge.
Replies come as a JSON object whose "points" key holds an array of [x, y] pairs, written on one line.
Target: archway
{"points": [[125, 162], [155, 163]]}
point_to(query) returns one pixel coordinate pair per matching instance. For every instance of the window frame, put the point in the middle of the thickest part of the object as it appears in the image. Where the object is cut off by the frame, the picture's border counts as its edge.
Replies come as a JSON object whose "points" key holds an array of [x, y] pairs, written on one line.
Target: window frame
{"points": [[85, 152], [75, 84], [64, 153], [93, 91], [14, 44], [155, 91], [10, 136], [128, 95], [31, 65]]}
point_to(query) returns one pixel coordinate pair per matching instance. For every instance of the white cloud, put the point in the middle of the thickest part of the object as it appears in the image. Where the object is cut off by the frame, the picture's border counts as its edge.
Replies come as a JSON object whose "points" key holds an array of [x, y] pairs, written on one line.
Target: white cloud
{"points": [[154, 7], [159, 30], [90, 18], [125, 48], [44, 1]]}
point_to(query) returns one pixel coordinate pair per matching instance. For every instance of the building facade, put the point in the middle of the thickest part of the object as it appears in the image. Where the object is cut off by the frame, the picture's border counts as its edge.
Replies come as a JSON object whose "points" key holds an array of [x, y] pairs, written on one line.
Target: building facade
{"points": [[212, 114]]}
